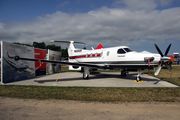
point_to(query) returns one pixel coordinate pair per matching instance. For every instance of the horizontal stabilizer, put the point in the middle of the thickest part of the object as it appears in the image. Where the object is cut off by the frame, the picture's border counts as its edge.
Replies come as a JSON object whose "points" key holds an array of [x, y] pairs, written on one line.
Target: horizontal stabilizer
{"points": [[67, 42]]}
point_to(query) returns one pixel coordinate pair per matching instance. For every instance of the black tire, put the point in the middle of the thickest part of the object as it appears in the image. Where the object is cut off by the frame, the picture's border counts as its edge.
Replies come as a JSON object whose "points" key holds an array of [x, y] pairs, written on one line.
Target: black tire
{"points": [[123, 73], [138, 78], [85, 77]]}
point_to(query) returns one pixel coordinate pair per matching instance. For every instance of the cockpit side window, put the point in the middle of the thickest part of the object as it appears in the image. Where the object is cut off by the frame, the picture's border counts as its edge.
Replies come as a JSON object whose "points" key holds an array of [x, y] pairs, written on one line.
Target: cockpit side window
{"points": [[128, 50], [121, 51]]}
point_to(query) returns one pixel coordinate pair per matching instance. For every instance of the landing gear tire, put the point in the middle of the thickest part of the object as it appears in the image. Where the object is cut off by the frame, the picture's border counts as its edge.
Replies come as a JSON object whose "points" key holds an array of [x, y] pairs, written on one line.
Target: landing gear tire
{"points": [[123, 73], [138, 78], [86, 73], [85, 76]]}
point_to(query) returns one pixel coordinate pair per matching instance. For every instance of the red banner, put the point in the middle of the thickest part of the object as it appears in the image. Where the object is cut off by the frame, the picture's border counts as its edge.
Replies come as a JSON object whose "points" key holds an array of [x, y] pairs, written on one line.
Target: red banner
{"points": [[40, 54]]}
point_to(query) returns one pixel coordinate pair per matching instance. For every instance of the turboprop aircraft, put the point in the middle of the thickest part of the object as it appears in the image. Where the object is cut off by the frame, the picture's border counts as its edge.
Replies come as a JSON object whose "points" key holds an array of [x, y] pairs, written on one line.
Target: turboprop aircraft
{"points": [[121, 57]]}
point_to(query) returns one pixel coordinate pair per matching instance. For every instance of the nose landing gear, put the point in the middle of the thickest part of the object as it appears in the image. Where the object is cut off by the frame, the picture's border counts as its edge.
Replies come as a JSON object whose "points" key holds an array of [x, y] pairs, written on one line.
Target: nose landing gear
{"points": [[138, 78]]}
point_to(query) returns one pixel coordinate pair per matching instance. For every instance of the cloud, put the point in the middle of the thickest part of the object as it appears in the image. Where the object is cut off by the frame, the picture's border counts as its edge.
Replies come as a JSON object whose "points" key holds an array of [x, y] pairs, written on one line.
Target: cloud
{"points": [[164, 3], [141, 4], [105, 25], [64, 3]]}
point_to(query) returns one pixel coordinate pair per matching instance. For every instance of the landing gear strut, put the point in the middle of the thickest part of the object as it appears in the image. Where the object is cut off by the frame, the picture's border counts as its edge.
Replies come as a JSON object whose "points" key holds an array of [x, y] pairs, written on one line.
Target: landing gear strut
{"points": [[86, 73], [138, 76]]}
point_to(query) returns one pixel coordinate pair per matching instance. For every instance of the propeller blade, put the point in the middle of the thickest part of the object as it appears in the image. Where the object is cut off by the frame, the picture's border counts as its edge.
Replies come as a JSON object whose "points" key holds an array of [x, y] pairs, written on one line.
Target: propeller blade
{"points": [[159, 51], [158, 70], [167, 50]]}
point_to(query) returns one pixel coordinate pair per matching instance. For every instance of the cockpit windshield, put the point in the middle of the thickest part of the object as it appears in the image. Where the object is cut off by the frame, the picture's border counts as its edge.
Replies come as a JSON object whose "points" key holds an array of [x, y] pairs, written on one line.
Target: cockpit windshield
{"points": [[121, 51], [124, 50], [128, 50]]}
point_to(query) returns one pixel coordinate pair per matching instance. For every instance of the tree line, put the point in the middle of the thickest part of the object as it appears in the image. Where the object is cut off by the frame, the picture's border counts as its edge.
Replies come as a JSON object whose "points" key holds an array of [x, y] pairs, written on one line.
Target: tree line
{"points": [[42, 45]]}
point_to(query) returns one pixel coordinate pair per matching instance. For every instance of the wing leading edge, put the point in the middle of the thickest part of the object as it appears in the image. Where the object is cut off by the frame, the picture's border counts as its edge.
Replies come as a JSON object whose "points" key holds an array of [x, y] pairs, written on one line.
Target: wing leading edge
{"points": [[60, 62]]}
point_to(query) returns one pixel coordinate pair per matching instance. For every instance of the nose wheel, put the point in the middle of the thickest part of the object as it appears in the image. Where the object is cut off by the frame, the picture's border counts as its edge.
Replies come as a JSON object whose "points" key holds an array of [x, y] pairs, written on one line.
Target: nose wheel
{"points": [[138, 78]]}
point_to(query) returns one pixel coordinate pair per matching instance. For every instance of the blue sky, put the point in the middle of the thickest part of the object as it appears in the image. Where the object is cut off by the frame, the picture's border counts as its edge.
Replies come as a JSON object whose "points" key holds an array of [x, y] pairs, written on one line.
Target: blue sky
{"points": [[19, 10], [135, 23]]}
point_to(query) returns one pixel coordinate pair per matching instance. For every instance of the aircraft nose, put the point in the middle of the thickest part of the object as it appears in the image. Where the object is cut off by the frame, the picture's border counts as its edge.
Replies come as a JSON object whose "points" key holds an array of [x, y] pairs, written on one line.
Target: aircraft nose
{"points": [[157, 58]]}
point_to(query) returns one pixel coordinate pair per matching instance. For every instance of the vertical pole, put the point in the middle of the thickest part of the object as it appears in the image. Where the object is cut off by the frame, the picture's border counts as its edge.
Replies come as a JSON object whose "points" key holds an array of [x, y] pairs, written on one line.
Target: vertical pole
{"points": [[2, 62]]}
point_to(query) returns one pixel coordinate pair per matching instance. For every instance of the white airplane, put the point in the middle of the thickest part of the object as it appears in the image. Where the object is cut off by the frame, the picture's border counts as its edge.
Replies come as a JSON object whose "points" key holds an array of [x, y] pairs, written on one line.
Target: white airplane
{"points": [[111, 58]]}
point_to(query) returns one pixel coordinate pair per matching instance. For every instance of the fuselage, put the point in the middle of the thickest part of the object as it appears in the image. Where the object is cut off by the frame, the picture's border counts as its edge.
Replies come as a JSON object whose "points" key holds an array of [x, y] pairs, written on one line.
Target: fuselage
{"points": [[116, 57]]}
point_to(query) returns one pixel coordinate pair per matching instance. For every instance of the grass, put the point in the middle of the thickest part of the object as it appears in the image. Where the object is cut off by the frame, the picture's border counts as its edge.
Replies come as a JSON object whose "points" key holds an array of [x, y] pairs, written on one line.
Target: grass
{"points": [[175, 78], [93, 94], [96, 94], [165, 75]]}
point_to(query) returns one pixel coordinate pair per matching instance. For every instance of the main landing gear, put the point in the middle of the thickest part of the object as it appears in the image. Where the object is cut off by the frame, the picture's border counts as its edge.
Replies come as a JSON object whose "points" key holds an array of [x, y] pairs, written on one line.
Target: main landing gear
{"points": [[86, 73], [124, 72]]}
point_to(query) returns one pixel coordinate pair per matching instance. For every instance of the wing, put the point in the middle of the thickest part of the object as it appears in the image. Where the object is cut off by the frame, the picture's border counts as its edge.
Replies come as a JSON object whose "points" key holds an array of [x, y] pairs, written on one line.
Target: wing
{"points": [[60, 62]]}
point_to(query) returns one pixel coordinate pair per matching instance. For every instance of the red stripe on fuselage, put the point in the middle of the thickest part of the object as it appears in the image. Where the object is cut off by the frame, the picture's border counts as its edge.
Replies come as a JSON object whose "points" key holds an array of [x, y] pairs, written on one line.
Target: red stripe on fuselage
{"points": [[98, 55], [85, 56]]}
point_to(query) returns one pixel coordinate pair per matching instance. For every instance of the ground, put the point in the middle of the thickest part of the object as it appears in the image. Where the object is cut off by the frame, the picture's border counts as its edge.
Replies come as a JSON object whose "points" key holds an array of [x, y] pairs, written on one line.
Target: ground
{"points": [[20, 109], [103, 79]]}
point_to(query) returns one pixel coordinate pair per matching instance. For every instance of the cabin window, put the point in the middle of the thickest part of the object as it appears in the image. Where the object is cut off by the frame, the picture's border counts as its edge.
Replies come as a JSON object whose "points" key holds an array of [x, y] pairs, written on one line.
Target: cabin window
{"points": [[108, 53], [121, 51]]}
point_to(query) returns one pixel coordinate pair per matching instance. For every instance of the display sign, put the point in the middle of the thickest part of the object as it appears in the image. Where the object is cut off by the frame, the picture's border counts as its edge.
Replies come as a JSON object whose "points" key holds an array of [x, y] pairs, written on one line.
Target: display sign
{"points": [[16, 70]]}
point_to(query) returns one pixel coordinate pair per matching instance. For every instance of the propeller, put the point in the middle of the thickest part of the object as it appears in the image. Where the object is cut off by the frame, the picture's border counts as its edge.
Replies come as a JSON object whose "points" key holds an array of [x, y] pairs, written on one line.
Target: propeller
{"points": [[164, 59], [159, 51], [167, 50]]}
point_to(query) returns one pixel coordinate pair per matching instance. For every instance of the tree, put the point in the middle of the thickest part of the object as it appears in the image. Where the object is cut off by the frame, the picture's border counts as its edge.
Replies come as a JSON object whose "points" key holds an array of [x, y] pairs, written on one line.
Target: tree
{"points": [[53, 47], [22, 44], [58, 48], [39, 45], [42, 45], [64, 52]]}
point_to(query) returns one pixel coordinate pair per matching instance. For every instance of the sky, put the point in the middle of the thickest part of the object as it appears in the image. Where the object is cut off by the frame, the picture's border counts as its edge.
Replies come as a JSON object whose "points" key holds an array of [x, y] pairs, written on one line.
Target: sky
{"points": [[138, 24]]}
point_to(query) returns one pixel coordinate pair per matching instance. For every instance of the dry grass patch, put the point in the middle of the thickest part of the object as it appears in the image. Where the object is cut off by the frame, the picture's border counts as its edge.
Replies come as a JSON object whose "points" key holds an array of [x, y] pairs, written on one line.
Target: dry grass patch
{"points": [[93, 94]]}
